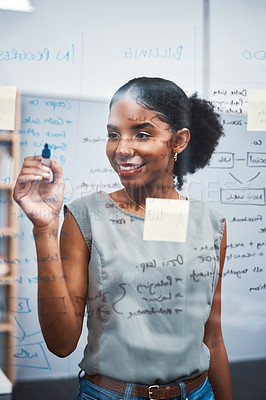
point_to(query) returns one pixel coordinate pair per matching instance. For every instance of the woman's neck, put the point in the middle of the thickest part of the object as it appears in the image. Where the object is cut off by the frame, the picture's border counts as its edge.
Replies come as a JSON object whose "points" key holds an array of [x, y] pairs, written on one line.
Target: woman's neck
{"points": [[140, 194], [133, 199]]}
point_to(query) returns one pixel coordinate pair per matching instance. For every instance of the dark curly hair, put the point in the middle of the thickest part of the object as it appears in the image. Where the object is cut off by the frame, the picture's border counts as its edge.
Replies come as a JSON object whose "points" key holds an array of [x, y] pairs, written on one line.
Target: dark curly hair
{"points": [[172, 106]]}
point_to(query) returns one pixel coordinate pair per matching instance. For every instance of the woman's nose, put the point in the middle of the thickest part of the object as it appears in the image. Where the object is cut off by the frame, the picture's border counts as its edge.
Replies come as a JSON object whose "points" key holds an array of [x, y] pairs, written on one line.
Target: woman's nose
{"points": [[125, 147]]}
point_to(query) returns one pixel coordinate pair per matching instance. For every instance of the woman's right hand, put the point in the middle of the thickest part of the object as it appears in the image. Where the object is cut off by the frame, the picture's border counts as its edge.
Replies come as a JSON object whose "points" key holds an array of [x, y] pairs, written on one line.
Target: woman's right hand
{"points": [[40, 199]]}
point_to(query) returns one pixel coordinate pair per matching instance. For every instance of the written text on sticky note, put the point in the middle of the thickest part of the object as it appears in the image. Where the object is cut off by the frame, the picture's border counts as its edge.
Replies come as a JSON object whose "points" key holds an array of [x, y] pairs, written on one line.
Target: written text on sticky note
{"points": [[256, 110], [7, 107], [166, 220]]}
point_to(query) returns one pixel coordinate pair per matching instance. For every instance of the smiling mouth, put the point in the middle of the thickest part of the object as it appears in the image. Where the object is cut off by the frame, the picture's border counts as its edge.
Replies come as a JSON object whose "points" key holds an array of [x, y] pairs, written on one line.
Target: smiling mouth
{"points": [[128, 170]]}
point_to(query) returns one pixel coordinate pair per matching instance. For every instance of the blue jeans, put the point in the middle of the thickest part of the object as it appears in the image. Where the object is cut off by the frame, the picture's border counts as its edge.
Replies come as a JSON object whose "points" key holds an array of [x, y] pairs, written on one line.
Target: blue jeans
{"points": [[90, 391]]}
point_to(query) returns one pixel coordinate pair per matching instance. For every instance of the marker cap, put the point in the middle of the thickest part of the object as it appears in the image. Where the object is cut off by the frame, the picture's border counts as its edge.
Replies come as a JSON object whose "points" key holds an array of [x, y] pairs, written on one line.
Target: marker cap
{"points": [[46, 153]]}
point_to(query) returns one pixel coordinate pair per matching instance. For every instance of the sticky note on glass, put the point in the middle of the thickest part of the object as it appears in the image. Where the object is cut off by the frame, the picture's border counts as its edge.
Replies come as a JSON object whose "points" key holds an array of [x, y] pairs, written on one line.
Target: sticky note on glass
{"points": [[7, 107], [256, 110], [166, 220]]}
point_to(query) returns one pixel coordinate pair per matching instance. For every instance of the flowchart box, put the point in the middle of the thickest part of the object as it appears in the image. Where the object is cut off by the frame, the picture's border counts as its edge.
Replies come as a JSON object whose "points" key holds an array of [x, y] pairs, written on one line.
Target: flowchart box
{"points": [[243, 196], [223, 160]]}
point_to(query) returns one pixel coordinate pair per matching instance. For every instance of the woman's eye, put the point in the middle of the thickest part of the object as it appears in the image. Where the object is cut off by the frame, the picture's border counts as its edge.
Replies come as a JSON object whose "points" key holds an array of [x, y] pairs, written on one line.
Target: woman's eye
{"points": [[142, 136], [112, 135]]}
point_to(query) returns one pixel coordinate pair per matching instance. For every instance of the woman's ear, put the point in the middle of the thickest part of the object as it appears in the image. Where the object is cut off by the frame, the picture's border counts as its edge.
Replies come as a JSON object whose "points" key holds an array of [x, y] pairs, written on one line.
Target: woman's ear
{"points": [[180, 140]]}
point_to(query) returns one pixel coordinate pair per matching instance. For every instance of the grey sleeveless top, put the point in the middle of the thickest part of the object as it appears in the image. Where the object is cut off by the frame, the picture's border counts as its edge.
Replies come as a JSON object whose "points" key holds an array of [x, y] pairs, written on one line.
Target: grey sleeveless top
{"points": [[148, 301]]}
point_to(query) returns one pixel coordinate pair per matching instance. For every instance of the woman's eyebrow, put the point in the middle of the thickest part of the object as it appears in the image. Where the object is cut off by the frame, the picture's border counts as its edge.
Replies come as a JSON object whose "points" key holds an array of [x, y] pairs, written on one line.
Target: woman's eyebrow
{"points": [[142, 126], [133, 127], [110, 126]]}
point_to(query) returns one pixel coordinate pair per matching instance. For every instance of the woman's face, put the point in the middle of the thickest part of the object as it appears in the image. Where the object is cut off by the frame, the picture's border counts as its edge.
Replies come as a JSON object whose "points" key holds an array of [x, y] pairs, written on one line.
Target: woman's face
{"points": [[139, 145]]}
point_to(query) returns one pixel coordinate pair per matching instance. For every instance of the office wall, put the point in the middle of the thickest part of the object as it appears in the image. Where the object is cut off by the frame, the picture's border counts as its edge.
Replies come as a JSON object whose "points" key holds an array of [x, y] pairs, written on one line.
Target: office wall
{"points": [[67, 59], [89, 48]]}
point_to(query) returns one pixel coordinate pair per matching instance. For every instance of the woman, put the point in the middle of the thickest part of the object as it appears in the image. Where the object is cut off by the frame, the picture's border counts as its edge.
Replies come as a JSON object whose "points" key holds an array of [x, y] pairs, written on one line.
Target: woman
{"points": [[153, 307]]}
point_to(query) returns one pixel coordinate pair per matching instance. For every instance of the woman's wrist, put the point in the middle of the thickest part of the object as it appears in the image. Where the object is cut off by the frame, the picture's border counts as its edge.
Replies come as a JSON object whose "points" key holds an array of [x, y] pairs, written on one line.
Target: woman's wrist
{"points": [[47, 231]]}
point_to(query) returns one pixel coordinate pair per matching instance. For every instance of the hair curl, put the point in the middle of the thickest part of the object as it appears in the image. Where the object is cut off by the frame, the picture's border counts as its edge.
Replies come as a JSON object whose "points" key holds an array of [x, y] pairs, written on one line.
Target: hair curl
{"points": [[171, 105]]}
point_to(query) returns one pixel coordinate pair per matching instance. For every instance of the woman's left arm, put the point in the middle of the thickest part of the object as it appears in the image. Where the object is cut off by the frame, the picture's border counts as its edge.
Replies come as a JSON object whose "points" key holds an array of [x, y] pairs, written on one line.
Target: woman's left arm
{"points": [[219, 373]]}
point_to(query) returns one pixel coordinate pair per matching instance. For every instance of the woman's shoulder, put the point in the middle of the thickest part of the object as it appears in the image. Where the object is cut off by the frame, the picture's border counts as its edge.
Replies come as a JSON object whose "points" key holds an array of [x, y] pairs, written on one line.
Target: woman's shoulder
{"points": [[84, 203], [85, 199]]}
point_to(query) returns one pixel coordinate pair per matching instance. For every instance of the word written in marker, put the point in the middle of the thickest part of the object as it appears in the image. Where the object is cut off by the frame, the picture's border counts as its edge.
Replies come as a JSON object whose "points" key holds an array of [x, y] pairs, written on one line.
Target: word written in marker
{"points": [[167, 53], [39, 55]]}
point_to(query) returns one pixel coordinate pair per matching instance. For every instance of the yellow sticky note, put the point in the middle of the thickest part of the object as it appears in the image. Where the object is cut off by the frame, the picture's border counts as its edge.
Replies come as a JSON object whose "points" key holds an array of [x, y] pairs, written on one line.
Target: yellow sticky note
{"points": [[256, 110], [7, 107], [166, 220]]}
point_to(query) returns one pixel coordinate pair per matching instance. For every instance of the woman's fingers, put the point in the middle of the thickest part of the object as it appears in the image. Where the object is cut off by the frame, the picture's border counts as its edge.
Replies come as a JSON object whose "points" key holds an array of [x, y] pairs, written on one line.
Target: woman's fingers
{"points": [[38, 195], [34, 172], [36, 157], [28, 178], [33, 169], [58, 177], [34, 162]]}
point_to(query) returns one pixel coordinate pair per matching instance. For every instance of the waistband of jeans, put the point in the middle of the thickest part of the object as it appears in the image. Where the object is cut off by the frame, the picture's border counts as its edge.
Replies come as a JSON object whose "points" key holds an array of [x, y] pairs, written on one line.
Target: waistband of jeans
{"points": [[152, 392]]}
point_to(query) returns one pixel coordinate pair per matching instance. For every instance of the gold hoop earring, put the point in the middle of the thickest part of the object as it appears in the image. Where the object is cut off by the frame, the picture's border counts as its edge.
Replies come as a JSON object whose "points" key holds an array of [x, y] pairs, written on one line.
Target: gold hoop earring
{"points": [[175, 157]]}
